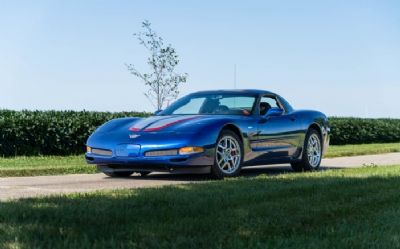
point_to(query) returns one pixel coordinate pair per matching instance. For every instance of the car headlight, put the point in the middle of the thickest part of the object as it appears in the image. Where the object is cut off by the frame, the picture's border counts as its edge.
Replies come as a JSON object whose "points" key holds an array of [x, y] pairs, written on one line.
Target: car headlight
{"points": [[190, 150], [88, 149]]}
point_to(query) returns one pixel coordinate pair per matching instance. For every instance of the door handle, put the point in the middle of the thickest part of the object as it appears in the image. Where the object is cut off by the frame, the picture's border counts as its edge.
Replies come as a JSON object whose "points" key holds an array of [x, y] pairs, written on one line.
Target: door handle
{"points": [[292, 118]]}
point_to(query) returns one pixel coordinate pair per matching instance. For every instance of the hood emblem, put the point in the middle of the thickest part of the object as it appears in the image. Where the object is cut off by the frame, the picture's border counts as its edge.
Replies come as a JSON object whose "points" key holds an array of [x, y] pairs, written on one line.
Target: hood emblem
{"points": [[132, 136]]}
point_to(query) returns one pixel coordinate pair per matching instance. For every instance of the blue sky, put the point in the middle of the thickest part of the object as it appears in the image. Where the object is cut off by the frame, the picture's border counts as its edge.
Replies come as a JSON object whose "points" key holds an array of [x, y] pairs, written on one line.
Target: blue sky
{"points": [[340, 57]]}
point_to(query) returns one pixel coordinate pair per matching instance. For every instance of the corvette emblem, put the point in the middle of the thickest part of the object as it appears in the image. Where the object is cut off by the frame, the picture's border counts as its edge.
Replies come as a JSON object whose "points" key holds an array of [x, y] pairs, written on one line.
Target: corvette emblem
{"points": [[132, 136]]}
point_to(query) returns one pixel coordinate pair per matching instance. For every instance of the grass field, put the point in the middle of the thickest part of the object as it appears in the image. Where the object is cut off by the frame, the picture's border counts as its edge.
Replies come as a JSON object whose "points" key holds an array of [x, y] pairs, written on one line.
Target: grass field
{"points": [[352, 208], [362, 149], [54, 165], [44, 165]]}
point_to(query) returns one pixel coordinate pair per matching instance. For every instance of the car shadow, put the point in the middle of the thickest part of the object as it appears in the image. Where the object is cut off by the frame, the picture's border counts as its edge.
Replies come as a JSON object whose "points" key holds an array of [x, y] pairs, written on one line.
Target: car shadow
{"points": [[248, 172]]}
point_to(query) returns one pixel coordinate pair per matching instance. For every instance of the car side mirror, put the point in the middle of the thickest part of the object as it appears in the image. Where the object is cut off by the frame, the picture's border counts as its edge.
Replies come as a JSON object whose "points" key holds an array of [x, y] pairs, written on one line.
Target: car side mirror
{"points": [[157, 112], [274, 112]]}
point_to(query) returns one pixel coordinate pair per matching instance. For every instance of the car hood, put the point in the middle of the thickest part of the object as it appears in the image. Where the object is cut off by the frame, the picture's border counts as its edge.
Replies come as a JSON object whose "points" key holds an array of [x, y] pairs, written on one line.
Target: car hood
{"points": [[152, 130], [169, 123], [160, 124]]}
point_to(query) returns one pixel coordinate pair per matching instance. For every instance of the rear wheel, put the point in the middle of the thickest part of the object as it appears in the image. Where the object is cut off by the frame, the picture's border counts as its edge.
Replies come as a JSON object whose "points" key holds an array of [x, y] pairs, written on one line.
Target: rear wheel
{"points": [[312, 153], [228, 155]]}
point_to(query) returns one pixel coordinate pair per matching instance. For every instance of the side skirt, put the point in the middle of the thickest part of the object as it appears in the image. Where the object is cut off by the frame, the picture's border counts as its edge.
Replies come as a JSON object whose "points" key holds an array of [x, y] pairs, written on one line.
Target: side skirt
{"points": [[179, 170]]}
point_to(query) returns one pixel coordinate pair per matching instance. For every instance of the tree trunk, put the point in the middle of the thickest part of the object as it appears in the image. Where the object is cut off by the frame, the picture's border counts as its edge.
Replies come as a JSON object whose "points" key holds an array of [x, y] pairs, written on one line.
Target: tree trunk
{"points": [[158, 97]]}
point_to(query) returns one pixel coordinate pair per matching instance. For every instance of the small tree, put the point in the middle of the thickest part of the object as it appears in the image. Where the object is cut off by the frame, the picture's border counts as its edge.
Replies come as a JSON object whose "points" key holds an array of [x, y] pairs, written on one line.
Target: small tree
{"points": [[162, 80]]}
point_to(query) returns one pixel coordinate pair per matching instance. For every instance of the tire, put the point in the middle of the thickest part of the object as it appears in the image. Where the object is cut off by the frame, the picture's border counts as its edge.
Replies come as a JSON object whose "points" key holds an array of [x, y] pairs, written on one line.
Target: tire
{"points": [[228, 156], [297, 166], [312, 153], [144, 173], [119, 173], [111, 173]]}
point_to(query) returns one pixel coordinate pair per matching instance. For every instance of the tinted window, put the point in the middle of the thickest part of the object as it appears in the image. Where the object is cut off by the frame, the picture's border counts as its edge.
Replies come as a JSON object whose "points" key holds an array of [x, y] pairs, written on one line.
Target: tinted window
{"points": [[231, 104], [267, 103]]}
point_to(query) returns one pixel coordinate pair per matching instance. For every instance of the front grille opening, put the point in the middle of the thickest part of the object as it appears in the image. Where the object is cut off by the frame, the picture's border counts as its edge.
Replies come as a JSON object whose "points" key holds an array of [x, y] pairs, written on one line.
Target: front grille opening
{"points": [[102, 152], [161, 153]]}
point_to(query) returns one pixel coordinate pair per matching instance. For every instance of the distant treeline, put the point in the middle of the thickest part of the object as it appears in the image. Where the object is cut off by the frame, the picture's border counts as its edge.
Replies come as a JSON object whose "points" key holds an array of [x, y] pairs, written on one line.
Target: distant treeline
{"points": [[65, 132]]}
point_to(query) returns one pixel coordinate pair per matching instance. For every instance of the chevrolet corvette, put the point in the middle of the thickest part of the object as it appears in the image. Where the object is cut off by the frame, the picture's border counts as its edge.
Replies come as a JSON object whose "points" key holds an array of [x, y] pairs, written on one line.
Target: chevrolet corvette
{"points": [[214, 132]]}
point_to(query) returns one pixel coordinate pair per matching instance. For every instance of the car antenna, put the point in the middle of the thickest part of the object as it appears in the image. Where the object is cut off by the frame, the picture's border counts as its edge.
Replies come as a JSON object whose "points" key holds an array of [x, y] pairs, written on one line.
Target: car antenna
{"points": [[234, 76]]}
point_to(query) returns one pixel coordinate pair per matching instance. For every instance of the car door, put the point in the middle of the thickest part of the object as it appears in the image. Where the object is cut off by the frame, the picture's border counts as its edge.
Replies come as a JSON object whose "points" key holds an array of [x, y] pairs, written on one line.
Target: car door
{"points": [[277, 136]]}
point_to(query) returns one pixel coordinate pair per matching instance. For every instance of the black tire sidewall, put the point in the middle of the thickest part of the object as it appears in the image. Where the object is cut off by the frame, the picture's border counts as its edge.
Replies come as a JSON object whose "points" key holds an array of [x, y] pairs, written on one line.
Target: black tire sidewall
{"points": [[144, 173], [297, 166], [112, 173]]}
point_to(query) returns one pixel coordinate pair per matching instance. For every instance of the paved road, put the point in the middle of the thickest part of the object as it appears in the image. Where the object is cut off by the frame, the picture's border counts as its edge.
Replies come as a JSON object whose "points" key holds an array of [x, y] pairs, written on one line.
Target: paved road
{"points": [[21, 187]]}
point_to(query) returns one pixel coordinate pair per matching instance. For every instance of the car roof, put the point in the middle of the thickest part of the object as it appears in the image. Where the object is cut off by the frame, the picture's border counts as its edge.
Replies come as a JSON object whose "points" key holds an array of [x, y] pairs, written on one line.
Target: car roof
{"points": [[233, 91]]}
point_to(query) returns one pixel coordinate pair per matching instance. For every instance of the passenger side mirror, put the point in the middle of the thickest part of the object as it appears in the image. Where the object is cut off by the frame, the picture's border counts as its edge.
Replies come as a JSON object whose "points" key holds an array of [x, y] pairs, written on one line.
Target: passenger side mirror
{"points": [[157, 112], [274, 112]]}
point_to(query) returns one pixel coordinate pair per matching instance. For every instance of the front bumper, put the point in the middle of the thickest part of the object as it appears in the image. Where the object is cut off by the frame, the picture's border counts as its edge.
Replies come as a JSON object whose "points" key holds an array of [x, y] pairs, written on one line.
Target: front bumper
{"points": [[205, 158]]}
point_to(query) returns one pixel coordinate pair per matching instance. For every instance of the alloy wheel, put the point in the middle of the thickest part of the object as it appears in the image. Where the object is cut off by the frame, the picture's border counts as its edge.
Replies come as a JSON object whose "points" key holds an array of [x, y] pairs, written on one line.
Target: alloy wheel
{"points": [[228, 154], [314, 150]]}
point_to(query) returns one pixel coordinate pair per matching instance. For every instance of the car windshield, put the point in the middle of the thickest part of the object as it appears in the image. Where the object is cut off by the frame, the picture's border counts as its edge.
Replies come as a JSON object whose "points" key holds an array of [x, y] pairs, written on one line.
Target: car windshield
{"points": [[227, 104]]}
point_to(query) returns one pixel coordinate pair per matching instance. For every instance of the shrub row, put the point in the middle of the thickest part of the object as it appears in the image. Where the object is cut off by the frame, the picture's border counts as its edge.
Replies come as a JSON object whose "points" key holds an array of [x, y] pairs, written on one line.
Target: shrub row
{"points": [[65, 132], [364, 131], [50, 132]]}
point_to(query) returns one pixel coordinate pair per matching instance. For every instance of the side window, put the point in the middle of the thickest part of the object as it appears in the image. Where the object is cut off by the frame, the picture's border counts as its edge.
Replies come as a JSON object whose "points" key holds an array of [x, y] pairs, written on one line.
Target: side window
{"points": [[238, 102], [267, 103]]}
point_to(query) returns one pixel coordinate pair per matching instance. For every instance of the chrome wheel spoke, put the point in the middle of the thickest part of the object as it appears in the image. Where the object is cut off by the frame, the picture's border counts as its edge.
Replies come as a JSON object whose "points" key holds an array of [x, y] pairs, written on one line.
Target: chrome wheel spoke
{"points": [[314, 150], [228, 154], [221, 147]]}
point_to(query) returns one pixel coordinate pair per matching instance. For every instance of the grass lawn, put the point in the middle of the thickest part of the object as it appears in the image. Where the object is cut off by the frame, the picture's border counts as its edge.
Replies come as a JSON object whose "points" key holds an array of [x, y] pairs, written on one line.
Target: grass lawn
{"points": [[56, 165], [352, 208], [44, 165], [361, 149]]}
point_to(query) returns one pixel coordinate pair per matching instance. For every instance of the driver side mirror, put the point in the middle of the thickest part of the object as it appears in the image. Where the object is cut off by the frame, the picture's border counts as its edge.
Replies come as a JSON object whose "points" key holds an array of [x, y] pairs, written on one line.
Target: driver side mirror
{"points": [[274, 112], [157, 112]]}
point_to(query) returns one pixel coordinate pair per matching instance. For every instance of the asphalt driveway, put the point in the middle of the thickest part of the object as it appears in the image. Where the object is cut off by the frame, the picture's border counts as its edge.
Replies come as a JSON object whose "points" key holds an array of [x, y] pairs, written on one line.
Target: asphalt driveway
{"points": [[22, 187]]}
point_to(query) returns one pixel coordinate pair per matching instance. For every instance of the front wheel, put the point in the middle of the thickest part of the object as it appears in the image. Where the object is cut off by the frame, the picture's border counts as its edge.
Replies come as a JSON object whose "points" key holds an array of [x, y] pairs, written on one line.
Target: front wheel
{"points": [[228, 155], [312, 153]]}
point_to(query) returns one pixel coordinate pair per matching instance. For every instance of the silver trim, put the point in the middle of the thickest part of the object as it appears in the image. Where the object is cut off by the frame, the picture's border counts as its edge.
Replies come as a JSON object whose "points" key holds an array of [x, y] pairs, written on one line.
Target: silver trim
{"points": [[314, 150], [161, 153], [101, 152], [228, 154]]}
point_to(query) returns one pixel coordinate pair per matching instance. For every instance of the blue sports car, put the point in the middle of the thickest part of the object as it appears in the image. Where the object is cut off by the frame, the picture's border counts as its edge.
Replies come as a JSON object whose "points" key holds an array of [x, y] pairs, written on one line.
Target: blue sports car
{"points": [[214, 132]]}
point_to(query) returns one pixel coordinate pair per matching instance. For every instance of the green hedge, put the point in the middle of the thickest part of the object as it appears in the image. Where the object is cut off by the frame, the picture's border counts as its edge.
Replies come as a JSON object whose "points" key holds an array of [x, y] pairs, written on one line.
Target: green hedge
{"points": [[364, 131], [65, 132], [50, 132]]}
